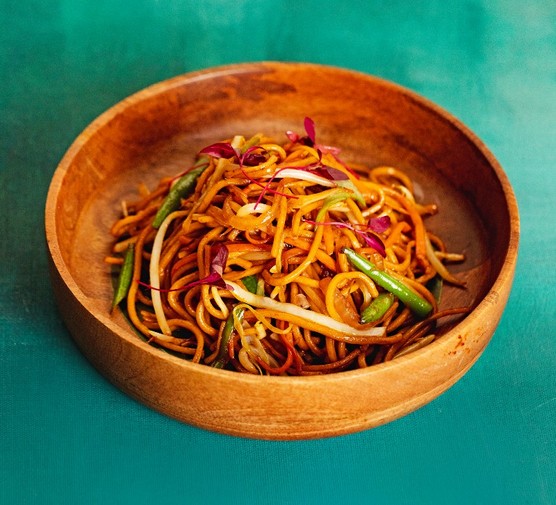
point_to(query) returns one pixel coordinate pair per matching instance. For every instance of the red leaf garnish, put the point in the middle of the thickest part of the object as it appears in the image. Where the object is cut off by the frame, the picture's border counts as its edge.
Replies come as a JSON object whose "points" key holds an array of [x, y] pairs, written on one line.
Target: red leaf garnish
{"points": [[310, 140], [217, 266], [306, 140], [292, 136], [213, 279], [309, 125], [379, 224], [254, 156], [373, 241], [218, 263], [220, 150], [330, 173]]}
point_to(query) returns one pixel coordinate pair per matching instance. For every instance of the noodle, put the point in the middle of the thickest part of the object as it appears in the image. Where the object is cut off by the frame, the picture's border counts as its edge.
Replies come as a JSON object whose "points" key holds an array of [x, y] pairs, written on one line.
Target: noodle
{"points": [[263, 231]]}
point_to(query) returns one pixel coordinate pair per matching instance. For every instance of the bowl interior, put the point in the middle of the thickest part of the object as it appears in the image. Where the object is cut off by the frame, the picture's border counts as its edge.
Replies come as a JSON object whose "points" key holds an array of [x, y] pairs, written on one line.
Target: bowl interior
{"points": [[372, 121], [158, 131]]}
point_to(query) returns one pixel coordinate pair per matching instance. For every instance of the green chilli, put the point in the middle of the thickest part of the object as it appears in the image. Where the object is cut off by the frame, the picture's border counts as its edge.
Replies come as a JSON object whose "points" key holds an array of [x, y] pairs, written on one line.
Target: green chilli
{"points": [[419, 306], [125, 277], [377, 308], [181, 189], [221, 357]]}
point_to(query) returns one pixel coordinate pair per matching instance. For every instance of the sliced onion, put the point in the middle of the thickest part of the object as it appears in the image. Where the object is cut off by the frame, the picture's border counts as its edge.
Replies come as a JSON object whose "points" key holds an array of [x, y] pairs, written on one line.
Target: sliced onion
{"points": [[331, 327], [293, 173], [253, 208], [439, 266], [155, 275]]}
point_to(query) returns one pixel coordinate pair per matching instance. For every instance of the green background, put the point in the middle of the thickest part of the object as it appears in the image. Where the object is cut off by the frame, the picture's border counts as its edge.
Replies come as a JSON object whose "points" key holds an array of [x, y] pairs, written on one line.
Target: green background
{"points": [[68, 436]]}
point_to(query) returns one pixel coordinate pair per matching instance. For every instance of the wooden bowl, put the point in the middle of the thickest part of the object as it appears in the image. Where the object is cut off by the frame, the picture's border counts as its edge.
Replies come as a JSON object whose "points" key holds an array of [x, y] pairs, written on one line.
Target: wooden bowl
{"points": [[152, 132]]}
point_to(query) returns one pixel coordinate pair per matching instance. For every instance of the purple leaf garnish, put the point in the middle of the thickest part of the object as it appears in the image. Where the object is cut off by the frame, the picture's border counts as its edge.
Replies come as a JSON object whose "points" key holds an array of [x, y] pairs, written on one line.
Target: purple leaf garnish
{"points": [[218, 263], [306, 140], [309, 125], [379, 224], [330, 173], [310, 140], [373, 241], [254, 156], [292, 136], [220, 150], [214, 278]]}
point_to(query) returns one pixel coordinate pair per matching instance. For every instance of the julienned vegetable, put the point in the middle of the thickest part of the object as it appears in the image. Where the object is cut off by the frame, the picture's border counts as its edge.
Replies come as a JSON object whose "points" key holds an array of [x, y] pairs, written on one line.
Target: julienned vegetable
{"points": [[257, 260], [418, 305]]}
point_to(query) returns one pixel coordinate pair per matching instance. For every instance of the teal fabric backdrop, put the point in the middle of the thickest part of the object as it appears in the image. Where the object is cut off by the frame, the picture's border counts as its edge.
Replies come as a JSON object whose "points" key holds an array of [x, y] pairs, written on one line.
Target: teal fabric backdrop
{"points": [[67, 436]]}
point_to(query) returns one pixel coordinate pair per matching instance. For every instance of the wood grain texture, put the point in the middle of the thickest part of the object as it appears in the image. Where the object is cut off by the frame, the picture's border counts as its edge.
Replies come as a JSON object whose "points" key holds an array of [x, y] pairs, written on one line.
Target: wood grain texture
{"points": [[159, 129]]}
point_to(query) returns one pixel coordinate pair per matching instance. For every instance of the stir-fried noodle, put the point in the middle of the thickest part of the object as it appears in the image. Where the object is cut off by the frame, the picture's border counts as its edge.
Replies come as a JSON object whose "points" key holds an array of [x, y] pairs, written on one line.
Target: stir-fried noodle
{"points": [[281, 259]]}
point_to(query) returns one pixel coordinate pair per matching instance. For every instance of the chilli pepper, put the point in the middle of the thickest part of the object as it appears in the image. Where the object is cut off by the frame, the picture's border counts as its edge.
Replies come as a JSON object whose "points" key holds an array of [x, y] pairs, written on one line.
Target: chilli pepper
{"points": [[181, 189], [125, 276], [377, 308], [419, 306]]}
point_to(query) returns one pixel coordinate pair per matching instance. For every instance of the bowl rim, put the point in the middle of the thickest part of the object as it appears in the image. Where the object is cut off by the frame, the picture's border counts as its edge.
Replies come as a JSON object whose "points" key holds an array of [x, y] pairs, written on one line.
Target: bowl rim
{"points": [[504, 275]]}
